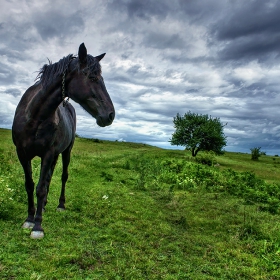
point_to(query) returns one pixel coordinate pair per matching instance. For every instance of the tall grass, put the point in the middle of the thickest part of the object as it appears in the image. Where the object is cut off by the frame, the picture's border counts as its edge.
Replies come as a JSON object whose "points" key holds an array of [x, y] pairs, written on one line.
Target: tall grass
{"points": [[140, 212]]}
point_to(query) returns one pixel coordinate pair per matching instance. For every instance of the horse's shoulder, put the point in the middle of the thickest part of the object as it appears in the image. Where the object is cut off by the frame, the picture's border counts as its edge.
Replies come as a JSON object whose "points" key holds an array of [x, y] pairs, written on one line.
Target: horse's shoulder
{"points": [[27, 97]]}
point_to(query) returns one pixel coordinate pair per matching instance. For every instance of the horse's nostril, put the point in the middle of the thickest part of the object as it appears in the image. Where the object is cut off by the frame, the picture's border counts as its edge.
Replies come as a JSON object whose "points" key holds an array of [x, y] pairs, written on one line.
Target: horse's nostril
{"points": [[111, 116]]}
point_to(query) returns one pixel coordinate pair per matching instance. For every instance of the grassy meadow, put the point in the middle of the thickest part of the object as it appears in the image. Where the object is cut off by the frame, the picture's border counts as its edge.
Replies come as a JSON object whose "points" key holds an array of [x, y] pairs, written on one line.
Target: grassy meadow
{"points": [[140, 212]]}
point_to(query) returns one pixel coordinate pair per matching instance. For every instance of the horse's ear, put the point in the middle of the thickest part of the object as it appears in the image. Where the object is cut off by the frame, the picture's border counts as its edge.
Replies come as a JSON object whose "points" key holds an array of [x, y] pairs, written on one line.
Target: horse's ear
{"points": [[83, 53], [99, 57]]}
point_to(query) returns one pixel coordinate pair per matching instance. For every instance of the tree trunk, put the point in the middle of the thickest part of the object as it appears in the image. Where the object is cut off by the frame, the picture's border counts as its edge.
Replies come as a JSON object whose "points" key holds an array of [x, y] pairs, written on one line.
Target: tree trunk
{"points": [[195, 151]]}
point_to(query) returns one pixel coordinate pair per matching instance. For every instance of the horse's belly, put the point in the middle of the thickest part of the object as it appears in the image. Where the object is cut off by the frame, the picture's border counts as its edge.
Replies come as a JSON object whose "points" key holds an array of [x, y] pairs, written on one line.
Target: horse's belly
{"points": [[43, 139], [53, 136]]}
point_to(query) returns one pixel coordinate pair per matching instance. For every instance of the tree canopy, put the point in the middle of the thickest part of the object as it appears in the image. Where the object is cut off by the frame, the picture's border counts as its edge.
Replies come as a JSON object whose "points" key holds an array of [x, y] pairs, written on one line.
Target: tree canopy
{"points": [[198, 133]]}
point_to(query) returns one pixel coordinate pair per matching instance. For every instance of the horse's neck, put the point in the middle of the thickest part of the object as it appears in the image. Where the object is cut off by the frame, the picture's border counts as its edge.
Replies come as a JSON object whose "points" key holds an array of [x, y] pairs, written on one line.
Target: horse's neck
{"points": [[45, 102]]}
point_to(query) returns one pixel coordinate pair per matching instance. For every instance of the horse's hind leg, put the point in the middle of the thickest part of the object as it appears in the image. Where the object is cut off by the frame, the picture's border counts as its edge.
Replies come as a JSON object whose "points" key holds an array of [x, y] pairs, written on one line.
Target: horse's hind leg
{"points": [[29, 187], [64, 177], [48, 180]]}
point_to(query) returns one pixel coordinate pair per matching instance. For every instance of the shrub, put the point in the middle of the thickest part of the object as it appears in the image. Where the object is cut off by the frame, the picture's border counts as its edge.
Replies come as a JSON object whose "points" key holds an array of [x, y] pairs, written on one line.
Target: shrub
{"points": [[207, 158], [178, 174], [255, 153]]}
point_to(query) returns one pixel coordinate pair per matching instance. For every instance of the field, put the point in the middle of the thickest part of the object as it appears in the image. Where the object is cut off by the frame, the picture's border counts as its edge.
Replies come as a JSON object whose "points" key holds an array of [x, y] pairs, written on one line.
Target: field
{"points": [[139, 212]]}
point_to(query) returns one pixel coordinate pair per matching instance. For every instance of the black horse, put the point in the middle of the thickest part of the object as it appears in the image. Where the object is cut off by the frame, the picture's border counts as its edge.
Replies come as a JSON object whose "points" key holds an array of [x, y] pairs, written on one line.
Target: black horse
{"points": [[45, 123]]}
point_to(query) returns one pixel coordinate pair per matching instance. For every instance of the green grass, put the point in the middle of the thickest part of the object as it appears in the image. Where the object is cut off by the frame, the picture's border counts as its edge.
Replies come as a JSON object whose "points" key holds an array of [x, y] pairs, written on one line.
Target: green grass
{"points": [[139, 212], [267, 167]]}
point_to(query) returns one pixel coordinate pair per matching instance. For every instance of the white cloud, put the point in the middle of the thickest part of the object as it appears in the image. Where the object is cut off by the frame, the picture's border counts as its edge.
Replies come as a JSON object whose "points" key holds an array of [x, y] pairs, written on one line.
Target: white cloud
{"points": [[250, 73]]}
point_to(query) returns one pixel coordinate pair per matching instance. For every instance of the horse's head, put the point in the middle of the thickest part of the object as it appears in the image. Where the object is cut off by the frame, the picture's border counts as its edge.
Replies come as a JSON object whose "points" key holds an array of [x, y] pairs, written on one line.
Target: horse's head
{"points": [[87, 88]]}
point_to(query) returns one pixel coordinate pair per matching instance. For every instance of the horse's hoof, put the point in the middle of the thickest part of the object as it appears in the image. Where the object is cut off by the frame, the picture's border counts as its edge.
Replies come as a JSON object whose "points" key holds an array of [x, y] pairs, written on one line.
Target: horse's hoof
{"points": [[36, 234], [60, 209], [28, 225]]}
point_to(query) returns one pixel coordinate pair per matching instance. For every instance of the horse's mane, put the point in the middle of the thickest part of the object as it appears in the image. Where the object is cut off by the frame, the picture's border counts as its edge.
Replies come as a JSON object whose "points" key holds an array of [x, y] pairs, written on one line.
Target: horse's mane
{"points": [[50, 71]]}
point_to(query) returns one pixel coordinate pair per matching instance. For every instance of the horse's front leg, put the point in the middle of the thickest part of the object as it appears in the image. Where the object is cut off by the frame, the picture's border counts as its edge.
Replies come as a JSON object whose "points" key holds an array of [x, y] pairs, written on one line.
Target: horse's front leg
{"points": [[41, 193], [29, 187]]}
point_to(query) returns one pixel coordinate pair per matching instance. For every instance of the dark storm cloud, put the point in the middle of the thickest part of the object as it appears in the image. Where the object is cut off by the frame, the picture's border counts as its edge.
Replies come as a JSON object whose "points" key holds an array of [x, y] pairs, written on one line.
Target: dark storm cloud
{"points": [[12, 54], [193, 10], [55, 24], [260, 47], [251, 32], [143, 9], [24, 33], [13, 91], [7, 76], [250, 18], [18, 36], [162, 41]]}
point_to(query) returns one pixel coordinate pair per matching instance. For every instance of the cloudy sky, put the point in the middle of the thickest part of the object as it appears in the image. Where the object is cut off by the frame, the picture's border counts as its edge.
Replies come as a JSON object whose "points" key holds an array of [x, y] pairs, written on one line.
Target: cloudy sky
{"points": [[216, 57]]}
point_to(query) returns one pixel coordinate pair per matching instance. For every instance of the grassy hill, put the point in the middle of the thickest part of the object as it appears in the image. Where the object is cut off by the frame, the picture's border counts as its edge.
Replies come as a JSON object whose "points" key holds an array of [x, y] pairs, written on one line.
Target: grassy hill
{"points": [[140, 212]]}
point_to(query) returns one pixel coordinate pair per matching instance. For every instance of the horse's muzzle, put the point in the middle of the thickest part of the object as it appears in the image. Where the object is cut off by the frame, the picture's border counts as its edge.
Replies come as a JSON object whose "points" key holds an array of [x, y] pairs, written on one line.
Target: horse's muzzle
{"points": [[106, 120]]}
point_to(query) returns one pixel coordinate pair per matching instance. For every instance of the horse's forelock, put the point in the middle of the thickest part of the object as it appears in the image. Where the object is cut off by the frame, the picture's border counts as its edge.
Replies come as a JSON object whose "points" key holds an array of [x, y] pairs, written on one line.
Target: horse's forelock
{"points": [[93, 65]]}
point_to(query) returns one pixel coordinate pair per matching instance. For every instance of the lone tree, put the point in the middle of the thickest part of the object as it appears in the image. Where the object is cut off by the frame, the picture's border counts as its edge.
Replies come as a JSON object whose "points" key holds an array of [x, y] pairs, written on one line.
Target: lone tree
{"points": [[198, 133], [256, 153]]}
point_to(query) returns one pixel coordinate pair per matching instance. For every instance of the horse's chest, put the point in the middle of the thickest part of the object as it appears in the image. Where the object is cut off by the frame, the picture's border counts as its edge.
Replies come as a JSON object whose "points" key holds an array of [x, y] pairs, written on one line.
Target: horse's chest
{"points": [[39, 140]]}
